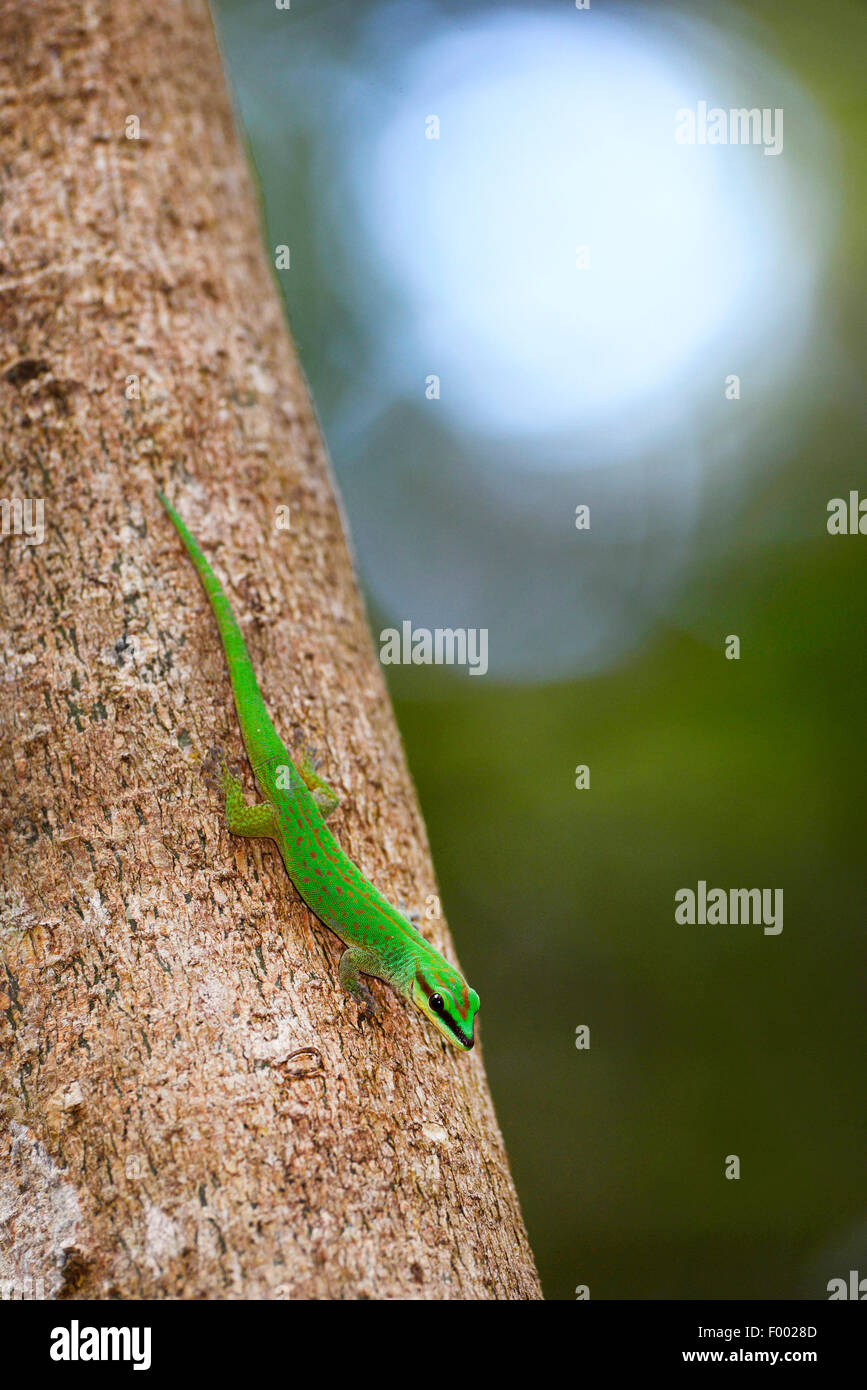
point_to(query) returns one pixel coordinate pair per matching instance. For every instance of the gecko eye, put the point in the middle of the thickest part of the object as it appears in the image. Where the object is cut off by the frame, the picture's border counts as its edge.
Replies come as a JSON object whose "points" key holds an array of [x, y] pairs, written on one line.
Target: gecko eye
{"points": [[436, 1002]]}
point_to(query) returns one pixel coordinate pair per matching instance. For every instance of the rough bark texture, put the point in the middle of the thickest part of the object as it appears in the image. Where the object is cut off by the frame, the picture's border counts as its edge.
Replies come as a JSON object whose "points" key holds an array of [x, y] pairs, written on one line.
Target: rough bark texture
{"points": [[190, 1106]]}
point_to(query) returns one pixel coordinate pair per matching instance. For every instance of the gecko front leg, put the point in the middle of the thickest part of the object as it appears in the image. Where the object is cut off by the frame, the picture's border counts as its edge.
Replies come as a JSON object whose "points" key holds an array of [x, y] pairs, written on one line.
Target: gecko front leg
{"points": [[354, 960]]}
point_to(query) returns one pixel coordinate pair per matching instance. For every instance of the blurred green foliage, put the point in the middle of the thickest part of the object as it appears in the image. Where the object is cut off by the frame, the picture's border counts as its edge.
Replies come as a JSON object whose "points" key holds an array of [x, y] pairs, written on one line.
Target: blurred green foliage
{"points": [[705, 1041]]}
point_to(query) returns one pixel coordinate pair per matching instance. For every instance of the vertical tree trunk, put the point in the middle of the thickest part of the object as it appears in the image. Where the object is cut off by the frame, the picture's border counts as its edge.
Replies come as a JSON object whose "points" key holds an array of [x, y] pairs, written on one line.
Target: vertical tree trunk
{"points": [[190, 1105]]}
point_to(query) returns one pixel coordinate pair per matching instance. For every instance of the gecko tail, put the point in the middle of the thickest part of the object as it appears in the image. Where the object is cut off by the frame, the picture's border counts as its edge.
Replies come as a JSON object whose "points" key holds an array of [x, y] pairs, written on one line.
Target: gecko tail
{"points": [[259, 733]]}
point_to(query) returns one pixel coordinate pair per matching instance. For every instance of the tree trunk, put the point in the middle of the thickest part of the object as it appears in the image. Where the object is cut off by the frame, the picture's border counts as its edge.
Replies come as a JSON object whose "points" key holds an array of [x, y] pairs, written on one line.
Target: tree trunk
{"points": [[190, 1105]]}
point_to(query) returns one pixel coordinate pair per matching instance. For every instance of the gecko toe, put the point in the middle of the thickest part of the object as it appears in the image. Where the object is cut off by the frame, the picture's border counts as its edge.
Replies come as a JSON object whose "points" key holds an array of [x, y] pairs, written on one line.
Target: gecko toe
{"points": [[367, 1006], [212, 769]]}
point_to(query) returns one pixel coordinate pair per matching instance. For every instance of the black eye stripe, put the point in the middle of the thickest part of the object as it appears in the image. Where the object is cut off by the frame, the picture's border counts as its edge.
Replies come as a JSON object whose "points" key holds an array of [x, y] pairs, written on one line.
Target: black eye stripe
{"points": [[466, 1040], [462, 1037]]}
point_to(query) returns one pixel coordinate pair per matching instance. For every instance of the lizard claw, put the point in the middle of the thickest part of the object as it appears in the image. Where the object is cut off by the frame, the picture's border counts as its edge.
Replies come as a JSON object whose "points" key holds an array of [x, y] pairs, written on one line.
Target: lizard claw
{"points": [[308, 756], [366, 1004], [215, 766], [212, 768]]}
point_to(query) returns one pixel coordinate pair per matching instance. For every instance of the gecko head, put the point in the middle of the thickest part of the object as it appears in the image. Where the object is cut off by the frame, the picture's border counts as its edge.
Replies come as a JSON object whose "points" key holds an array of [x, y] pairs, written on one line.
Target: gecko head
{"points": [[446, 999]]}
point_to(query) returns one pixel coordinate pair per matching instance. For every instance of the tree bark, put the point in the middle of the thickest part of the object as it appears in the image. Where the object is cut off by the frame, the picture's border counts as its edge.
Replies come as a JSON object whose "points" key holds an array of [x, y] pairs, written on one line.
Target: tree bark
{"points": [[190, 1105]]}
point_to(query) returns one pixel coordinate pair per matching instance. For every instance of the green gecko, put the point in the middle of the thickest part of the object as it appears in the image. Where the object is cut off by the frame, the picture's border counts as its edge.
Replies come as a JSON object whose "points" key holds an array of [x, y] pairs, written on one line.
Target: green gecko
{"points": [[379, 940]]}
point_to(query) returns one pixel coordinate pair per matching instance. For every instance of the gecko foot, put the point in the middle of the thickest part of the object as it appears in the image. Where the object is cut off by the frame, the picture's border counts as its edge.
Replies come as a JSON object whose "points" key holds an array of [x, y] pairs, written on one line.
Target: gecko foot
{"points": [[215, 766], [366, 1004], [308, 763], [354, 960], [307, 757], [212, 769]]}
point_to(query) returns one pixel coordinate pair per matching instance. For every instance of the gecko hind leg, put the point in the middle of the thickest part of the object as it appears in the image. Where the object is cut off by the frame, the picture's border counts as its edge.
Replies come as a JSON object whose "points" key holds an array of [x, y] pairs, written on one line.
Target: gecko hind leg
{"points": [[354, 960], [307, 762], [242, 818]]}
